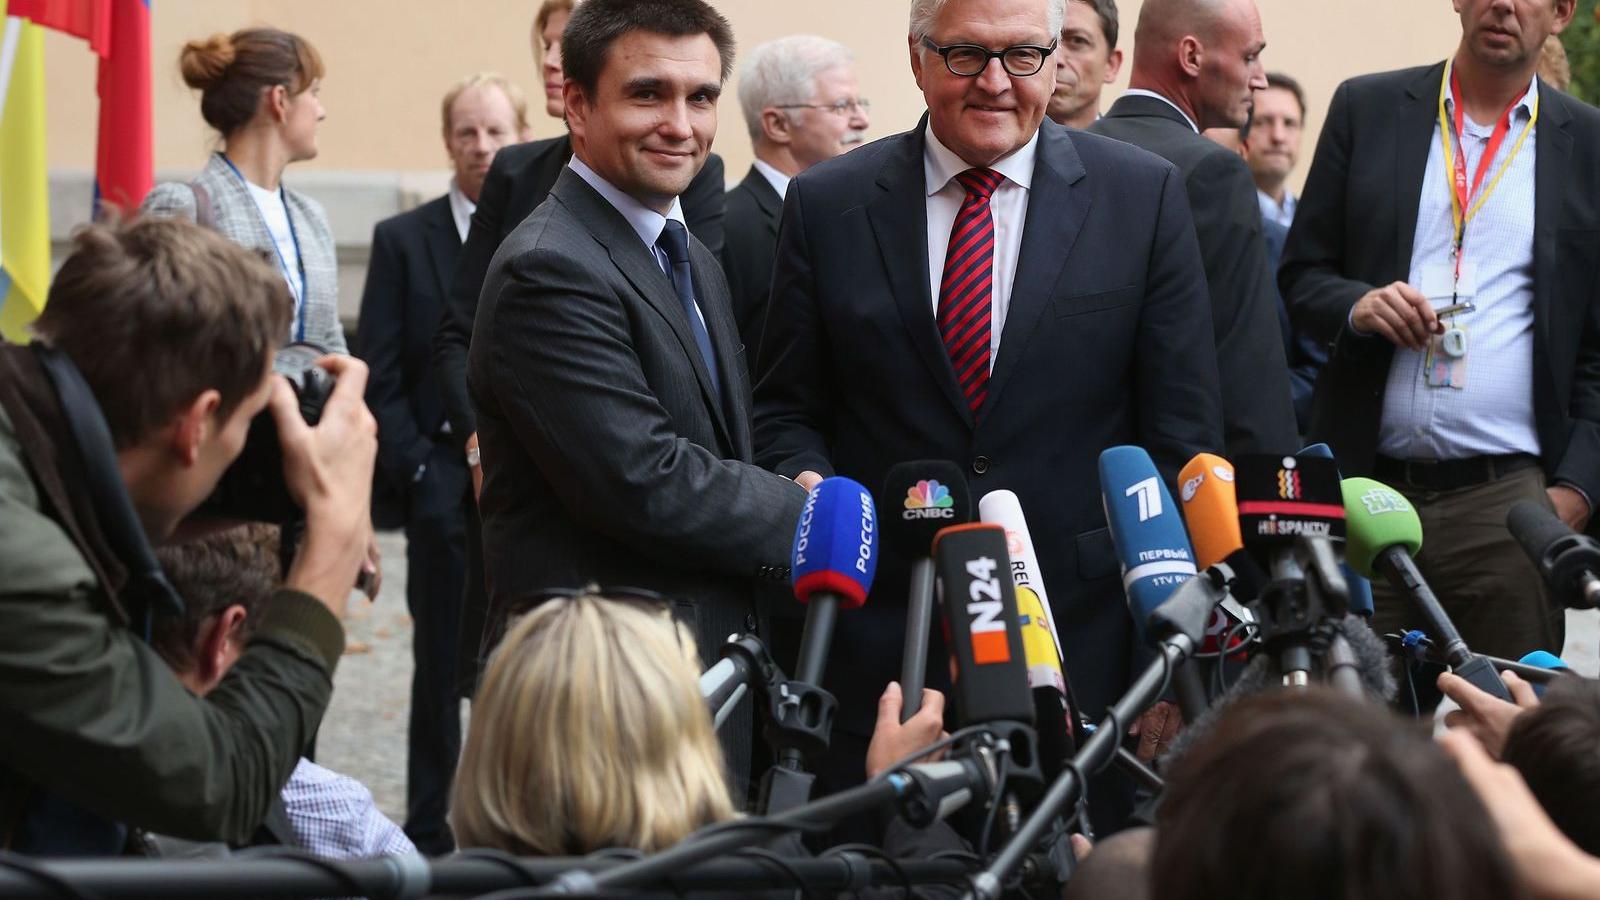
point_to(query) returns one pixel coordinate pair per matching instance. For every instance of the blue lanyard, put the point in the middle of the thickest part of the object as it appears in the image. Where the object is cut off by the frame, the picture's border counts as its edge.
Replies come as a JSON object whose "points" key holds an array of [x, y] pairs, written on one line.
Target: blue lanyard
{"points": [[283, 264]]}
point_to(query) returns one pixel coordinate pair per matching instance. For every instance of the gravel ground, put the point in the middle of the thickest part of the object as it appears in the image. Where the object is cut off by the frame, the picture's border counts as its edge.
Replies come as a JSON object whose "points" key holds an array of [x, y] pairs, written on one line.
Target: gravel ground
{"points": [[364, 733]]}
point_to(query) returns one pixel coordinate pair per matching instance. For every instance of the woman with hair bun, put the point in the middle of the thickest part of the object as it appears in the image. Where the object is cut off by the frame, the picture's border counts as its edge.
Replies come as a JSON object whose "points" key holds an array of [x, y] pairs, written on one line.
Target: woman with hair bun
{"points": [[258, 89]]}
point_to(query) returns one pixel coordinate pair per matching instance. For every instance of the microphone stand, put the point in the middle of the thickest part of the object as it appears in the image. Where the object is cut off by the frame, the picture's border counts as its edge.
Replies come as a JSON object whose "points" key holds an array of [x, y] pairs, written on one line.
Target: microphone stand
{"points": [[1096, 753], [1298, 612], [920, 793], [799, 716]]}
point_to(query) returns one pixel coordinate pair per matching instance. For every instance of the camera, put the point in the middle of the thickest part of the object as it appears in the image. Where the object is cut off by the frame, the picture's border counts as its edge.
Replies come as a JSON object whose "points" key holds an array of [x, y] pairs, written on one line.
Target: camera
{"points": [[252, 489]]}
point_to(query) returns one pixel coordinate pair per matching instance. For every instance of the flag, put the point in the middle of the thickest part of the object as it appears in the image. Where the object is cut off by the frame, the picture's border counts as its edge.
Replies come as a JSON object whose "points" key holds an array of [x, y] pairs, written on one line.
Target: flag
{"points": [[87, 19], [24, 191], [124, 159]]}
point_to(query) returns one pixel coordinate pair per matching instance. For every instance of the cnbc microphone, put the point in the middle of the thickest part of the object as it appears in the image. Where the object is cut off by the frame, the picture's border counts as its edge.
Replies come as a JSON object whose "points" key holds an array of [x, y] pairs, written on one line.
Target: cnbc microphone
{"points": [[1568, 561], [918, 499], [1153, 548], [1384, 534]]}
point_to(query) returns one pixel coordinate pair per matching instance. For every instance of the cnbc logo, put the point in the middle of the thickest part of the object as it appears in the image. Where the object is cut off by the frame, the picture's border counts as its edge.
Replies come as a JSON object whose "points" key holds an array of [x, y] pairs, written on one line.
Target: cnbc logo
{"points": [[929, 500]]}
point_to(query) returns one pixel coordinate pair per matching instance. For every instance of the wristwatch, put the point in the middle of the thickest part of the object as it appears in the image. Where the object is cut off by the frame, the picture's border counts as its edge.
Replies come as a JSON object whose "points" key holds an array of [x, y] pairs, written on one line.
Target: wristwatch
{"points": [[474, 457]]}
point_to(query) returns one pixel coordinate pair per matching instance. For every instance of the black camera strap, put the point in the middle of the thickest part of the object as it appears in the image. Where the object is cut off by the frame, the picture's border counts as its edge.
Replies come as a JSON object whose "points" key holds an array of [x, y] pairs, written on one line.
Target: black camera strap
{"points": [[147, 591]]}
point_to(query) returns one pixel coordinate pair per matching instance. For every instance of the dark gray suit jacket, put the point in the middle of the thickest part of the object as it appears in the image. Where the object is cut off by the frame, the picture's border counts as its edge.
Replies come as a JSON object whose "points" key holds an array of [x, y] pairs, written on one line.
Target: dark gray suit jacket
{"points": [[606, 456], [1257, 410], [750, 242]]}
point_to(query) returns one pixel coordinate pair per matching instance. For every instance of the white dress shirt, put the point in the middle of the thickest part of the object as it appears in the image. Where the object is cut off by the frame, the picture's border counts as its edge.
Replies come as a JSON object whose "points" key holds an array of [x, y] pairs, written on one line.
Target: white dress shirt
{"points": [[461, 209], [275, 215], [1141, 92], [646, 222], [1008, 206], [778, 180], [1273, 211], [1493, 414]]}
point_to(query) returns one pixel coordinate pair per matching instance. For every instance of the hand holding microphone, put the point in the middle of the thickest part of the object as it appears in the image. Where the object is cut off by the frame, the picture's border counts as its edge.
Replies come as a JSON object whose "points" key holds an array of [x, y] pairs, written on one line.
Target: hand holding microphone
{"points": [[1487, 718], [894, 740]]}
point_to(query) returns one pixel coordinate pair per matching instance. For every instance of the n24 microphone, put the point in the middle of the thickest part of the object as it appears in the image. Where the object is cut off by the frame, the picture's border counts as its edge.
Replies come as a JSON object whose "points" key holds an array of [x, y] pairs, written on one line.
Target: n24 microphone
{"points": [[981, 625], [918, 499], [1568, 561], [1385, 533]]}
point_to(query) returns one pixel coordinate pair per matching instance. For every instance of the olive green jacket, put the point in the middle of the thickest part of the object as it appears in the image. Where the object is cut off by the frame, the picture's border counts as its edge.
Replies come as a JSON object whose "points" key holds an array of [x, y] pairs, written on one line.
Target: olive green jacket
{"points": [[89, 712]]}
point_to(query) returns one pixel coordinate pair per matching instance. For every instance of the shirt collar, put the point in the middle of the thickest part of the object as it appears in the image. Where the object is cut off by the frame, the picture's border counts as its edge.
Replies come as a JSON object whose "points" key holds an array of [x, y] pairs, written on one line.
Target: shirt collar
{"points": [[778, 180], [940, 164], [1141, 92], [646, 222], [1524, 105], [461, 209]]}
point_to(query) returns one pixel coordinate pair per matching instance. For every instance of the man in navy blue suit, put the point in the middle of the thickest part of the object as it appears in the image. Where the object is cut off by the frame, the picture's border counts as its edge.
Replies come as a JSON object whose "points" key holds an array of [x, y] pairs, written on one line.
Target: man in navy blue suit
{"points": [[998, 292], [420, 473]]}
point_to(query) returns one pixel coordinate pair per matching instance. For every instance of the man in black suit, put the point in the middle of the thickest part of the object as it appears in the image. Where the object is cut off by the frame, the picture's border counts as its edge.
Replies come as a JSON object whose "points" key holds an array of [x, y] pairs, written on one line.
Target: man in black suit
{"points": [[413, 257], [802, 104], [1465, 413], [613, 402], [1064, 323], [519, 180], [1195, 65]]}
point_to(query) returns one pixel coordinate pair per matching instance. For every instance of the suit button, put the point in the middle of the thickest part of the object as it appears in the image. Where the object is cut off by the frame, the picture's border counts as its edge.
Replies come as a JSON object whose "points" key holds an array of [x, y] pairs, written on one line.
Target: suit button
{"points": [[750, 623], [980, 465]]}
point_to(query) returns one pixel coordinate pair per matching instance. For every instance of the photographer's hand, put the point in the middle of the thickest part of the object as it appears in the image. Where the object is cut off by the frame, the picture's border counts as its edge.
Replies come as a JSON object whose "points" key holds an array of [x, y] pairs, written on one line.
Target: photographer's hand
{"points": [[328, 470]]}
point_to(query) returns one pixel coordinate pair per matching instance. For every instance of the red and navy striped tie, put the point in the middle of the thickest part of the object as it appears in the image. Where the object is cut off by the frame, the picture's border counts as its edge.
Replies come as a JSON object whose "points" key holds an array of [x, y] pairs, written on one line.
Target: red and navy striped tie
{"points": [[967, 285]]}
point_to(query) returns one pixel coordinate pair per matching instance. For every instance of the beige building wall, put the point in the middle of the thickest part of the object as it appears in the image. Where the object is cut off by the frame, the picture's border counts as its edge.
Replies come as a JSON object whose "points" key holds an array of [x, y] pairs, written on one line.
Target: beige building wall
{"points": [[389, 61]]}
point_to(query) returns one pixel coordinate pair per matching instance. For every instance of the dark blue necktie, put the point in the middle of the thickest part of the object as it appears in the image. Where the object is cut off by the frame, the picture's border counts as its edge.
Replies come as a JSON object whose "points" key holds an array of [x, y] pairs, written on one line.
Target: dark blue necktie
{"points": [[674, 242]]}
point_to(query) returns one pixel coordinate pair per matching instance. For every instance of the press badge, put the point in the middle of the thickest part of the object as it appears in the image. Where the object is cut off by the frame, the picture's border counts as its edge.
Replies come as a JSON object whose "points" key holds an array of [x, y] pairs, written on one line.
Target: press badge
{"points": [[1445, 363]]}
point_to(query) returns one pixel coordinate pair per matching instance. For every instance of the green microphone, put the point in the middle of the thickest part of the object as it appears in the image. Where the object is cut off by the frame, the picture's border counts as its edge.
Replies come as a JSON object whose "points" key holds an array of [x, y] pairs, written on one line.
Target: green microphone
{"points": [[1382, 534]]}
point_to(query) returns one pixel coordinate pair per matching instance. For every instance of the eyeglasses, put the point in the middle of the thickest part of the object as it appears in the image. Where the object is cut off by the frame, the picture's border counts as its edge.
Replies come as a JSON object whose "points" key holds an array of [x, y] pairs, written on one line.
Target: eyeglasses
{"points": [[644, 597], [968, 60], [842, 108]]}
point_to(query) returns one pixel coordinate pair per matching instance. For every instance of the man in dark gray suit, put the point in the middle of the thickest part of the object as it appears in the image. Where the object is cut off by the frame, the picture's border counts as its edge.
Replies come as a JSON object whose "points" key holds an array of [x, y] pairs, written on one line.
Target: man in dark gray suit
{"points": [[613, 404], [802, 104], [1196, 64]]}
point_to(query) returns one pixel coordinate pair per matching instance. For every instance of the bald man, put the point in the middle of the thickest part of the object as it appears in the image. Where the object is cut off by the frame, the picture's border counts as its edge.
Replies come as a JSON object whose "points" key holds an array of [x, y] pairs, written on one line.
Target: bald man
{"points": [[1196, 65]]}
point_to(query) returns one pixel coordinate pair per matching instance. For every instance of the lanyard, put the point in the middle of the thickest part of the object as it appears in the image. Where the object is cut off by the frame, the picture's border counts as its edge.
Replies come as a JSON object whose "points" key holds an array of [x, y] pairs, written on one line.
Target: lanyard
{"points": [[299, 294], [1466, 200]]}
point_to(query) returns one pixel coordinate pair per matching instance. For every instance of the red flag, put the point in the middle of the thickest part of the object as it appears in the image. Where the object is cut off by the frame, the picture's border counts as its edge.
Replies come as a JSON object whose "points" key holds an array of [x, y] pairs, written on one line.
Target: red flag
{"points": [[87, 19], [124, 162]]}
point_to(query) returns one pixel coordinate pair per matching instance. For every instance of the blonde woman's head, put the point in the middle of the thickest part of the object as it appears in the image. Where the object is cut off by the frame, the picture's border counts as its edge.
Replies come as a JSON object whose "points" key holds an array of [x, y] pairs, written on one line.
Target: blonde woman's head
{"points": [[589, 733]]}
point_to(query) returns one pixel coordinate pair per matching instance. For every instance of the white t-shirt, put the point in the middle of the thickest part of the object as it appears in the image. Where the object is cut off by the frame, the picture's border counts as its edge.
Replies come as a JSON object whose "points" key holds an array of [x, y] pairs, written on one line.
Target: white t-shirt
{"points": [[276, 216]]}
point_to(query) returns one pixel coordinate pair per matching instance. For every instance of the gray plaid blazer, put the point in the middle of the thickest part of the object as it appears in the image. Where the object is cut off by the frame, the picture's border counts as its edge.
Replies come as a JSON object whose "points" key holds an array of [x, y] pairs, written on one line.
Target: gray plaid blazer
{"points": [[238, 219]]}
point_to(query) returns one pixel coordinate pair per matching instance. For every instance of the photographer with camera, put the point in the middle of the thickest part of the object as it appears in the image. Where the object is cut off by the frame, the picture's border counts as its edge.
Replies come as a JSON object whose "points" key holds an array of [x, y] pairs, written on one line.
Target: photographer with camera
{"points": [[155, 356]]}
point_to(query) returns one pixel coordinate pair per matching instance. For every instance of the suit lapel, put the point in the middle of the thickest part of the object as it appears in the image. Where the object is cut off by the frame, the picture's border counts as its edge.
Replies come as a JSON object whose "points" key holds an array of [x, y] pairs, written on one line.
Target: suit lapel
{"points": [[733, 415], [1415, 119], [767, 198], [1553, 159], [638, 265], [1057, 205], [444, 245], [899, 218]]}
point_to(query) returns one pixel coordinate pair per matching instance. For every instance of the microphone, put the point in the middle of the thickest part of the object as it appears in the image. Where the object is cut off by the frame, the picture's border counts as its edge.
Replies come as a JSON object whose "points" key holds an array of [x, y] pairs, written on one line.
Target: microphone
{"points": [[920, 498], [1211, 508], [1568, 561], [1053, 708], [834, 558], [1360, 601], [1154, 551], [1384, 534], [981, 625], [1004, 509]]}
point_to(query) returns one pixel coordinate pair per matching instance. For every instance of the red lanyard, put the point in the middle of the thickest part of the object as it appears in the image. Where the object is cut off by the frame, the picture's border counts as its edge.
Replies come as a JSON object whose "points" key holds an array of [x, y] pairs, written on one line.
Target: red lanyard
{"points": [[1461, 194]]}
